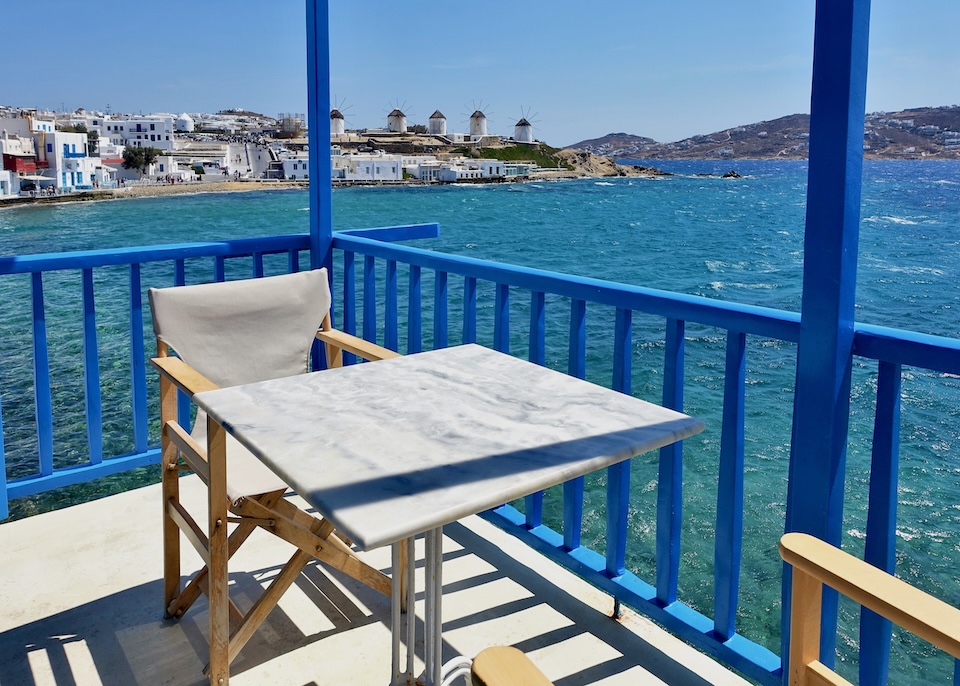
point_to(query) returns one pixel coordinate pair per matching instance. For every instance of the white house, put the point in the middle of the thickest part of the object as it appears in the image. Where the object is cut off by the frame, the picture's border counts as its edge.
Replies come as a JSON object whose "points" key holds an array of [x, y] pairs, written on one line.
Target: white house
{"points": [[368, 167], [296, 166], [153, 131], [66, 157], [9, 184]]}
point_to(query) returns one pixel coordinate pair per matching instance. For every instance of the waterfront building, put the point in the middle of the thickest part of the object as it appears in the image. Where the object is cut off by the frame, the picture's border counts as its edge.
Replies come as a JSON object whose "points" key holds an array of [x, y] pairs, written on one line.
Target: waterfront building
{"points": [[153, 131], [9, 184], [65, 155]]}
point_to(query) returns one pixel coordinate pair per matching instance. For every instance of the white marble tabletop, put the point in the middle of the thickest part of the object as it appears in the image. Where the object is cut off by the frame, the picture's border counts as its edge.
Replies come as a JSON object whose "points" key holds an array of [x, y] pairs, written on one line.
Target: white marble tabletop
{"points": [[391, 449]]}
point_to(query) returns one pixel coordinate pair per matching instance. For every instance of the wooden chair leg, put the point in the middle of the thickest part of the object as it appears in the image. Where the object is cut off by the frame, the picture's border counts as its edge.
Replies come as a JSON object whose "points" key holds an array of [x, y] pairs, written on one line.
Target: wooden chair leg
{"points": [[170, 489], [219, 671]]}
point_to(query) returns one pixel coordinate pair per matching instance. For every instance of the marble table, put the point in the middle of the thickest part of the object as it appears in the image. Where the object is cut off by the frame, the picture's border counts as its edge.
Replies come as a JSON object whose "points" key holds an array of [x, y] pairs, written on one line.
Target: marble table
{"points": [[400, 447]]}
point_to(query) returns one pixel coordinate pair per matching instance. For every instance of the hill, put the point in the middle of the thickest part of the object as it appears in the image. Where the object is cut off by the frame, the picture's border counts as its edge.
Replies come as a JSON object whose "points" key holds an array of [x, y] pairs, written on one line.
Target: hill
{"points": [[928, 132]]}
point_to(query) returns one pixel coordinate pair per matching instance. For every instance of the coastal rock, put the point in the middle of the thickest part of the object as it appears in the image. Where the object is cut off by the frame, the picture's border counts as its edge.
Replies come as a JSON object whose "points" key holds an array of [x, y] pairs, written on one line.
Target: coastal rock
{"points": [[585, 163], [732, 174]]}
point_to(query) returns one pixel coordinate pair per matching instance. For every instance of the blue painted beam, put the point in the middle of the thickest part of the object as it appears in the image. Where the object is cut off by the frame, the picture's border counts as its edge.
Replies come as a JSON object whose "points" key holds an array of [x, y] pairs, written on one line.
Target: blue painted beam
{"points": [[32, 485], [91, 372], [670, 472], [4, 502], [537, 347], [414, 312], [881, 543], [440, 339], [822, 395], [469, 310], [81, 259], [138, 363], [501, 319], [391, 312], [370, 299], [43, 401], [318, 122], [728, 543], [395, 233]]}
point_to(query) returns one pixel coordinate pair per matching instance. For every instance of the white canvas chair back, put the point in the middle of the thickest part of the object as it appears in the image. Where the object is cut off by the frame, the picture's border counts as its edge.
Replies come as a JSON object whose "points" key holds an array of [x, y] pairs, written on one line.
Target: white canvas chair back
{"points": [[238, 332]]}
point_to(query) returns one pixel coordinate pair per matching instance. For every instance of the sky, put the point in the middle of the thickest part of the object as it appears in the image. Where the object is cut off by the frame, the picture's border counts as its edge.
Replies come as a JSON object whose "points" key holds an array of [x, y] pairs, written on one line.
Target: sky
{"points": [[577, 70]]}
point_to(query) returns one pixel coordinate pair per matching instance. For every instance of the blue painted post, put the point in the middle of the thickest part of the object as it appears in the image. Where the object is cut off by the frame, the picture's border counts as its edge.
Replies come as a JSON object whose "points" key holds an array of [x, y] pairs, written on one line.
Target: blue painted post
{"points": [[349, 300], [391, 322], [4, 500], [179, 273], [469, 309], [537, 352], [577, 359], [293, 261], [881, 543], [318, 114], [822, 396], [440, 339], [43, 401], [91, 372], [414, 313], [370, 298], [138, 363], [257, 265], [501, 319], [729, 530], [219, 269], [576, 366], [618, 475], [670, 474], [533, 503]]}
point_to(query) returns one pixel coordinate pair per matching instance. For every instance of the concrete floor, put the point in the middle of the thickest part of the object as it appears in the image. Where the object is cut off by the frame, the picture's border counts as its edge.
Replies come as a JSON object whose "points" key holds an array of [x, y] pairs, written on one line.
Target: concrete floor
{"points": [[81, 596]]}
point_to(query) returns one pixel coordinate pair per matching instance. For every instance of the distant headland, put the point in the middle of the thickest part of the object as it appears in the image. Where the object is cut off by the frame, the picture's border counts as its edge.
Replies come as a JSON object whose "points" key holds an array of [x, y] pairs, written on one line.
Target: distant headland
{"points": [[923, 132]]}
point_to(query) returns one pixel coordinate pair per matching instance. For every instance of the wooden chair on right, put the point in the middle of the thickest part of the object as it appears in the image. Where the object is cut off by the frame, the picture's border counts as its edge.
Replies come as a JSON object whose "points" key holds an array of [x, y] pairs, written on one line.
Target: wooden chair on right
{"points": [[816, 563], [505, 666]]}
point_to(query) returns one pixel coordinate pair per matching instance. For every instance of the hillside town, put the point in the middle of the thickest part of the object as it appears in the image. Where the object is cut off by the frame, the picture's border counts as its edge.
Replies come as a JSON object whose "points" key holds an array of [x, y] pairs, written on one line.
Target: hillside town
{"points": [[55, 153]]}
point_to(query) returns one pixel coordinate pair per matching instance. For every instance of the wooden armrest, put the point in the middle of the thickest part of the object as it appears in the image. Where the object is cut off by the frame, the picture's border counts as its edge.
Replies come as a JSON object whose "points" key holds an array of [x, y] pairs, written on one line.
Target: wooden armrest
{"points": [[506, 666], [919, 613], [185, 377], [353, 344]]}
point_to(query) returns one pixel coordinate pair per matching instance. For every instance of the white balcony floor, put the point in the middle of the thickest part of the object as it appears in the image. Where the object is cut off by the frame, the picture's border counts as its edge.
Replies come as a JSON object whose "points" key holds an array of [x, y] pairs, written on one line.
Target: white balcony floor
{"points": [[81, 596]]}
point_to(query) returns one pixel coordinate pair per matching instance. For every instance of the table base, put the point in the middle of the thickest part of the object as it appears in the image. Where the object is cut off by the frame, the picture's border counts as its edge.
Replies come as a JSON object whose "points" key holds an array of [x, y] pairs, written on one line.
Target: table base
{"points": [[435, 673]]}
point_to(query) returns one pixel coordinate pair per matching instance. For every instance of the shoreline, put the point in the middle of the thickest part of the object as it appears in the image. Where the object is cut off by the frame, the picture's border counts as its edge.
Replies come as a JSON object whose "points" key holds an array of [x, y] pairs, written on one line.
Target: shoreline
{"points": [[153, 190]]}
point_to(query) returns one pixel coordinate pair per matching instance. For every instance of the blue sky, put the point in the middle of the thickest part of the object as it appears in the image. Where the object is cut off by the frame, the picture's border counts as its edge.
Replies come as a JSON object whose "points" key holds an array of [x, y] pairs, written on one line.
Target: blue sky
{"points": [[667, 70]]}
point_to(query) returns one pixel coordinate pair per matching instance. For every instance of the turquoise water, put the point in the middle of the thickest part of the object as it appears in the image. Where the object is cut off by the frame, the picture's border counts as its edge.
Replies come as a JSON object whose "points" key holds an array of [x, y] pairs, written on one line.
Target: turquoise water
{"points": [[735, 239]]}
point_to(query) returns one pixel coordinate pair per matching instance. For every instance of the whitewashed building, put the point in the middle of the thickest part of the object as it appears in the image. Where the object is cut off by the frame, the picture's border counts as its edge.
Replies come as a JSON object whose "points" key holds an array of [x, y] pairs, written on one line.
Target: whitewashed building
{"points": [[185, 123], [65, 155], [368, 167], [296, 166], [153, 131], [9, 184]]}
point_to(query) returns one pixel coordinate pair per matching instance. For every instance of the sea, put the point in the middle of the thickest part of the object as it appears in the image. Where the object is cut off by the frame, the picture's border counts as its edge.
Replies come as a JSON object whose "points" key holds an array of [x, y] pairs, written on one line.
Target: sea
{"points": [[693, 232]]}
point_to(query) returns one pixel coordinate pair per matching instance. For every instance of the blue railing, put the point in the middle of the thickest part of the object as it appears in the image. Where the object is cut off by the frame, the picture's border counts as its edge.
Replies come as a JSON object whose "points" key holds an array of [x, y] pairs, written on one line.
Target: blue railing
{"points": [[491, 289], [87, 263], [716, 635]]}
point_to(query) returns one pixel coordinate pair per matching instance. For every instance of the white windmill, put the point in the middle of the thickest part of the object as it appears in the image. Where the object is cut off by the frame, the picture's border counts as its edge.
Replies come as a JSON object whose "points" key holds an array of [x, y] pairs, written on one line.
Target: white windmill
{"points": [[437, 124]]}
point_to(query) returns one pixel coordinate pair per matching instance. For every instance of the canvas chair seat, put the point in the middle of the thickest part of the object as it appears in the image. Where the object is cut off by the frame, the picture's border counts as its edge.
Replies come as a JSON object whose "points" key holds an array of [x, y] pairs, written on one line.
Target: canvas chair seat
{"points": [[246, 475], [228, 334]]}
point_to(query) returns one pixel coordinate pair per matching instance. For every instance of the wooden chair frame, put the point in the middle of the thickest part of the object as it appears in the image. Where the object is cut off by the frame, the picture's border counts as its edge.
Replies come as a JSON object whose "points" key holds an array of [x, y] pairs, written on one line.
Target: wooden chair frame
{"points": [[314, 538], [816, 563]]}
